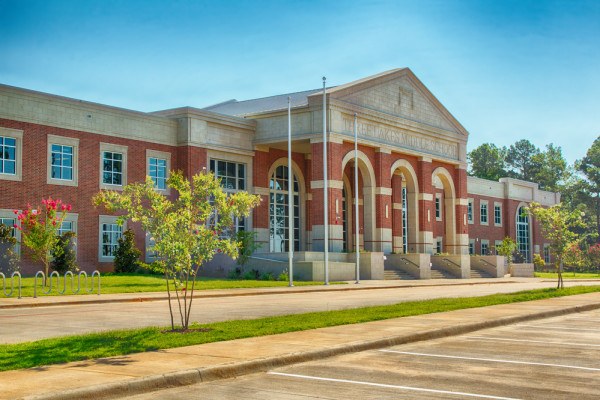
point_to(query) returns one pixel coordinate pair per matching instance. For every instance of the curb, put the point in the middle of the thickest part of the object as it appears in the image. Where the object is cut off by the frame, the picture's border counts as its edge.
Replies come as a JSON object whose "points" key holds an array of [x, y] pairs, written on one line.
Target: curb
{"points": [[217, 295], [214, 373]]}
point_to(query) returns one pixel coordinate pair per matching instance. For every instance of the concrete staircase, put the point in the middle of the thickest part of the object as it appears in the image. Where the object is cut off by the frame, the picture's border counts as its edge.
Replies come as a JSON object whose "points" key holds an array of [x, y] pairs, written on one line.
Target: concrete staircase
{"points": [[396, 274], [479, 273], [441, 274]]}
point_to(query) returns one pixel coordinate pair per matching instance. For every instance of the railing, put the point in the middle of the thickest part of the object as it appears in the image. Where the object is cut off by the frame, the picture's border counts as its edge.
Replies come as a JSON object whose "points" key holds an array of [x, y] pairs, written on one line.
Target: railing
{"points": [[68, 273], [451, 262], [407, 261], [487, 262], [12, 286]]}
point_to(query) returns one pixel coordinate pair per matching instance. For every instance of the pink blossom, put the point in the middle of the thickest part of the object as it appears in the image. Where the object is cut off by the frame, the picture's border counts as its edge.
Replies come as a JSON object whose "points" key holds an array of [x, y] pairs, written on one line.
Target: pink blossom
{"points": [[16, 211], [63, 207], [69, 207], [54, 223]]}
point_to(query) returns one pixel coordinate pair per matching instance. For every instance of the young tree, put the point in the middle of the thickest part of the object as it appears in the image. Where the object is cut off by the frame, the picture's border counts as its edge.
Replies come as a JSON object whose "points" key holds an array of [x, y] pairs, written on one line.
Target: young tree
{"points": [[127, 255], [186, 229], [63, 254], [557, 224], [507, 249], [40, 227], [487, 162]]}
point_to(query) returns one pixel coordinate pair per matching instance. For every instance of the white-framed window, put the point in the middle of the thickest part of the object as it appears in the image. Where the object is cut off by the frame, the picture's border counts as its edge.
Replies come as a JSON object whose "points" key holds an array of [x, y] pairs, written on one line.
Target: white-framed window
{"points": [[438, 245], [278, 211], [158, 166], [11, 154], [472, 247], [63, 160], [546, 253], [483, 212], [523, 233], [498, 214], [113, 166], [109, 233], [438, 206], [8, 218], [232, 174], [65, 226], [484, 247], [470, 211], [9, 222]]}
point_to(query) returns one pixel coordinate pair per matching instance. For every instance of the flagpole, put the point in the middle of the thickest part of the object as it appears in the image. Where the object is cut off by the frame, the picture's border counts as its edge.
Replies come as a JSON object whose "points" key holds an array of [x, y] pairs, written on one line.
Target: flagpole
{"points": [[357, 243], [325, 202], [290, 197]]}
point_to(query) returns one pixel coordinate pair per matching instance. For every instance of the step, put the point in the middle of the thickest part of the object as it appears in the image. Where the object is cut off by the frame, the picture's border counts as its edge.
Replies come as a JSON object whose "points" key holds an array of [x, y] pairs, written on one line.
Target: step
{"points": [[441, 274], [479, 273], [394, 274]]}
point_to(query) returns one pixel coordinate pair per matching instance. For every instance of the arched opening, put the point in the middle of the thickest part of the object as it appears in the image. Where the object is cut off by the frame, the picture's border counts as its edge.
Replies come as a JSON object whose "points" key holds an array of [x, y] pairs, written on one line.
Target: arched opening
{"points": [[278, 207], [405, 189], [347, 215], [449, 214], [523, 234], [367, 174]]}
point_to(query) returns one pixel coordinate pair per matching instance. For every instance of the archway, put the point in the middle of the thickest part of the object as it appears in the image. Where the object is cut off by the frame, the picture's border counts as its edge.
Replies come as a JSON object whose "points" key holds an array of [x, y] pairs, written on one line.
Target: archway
{"points": [[523, 232], [409, 205], [449, 214], [368, 189]]}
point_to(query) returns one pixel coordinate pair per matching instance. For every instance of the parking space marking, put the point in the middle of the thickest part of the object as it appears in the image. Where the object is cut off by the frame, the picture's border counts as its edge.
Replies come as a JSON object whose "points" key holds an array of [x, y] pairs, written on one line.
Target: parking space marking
{"points": [[532, 341], [559, 327], [483, 396], [491, 360]]}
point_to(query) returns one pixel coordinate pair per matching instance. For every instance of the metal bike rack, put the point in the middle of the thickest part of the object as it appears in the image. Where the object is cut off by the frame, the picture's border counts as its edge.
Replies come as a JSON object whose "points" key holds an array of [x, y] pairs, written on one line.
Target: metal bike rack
{"points": [[70, 274], [12, 286]]}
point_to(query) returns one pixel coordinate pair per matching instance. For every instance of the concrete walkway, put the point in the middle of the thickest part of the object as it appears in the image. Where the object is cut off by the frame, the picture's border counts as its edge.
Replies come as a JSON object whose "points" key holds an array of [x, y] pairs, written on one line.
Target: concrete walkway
{"points": [[143, 372], [70, 315]]}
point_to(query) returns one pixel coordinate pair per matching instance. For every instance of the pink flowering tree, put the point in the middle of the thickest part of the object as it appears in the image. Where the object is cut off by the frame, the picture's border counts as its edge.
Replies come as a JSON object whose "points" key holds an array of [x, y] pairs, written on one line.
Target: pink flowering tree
{"points": [[39, 229], [187, 229]]}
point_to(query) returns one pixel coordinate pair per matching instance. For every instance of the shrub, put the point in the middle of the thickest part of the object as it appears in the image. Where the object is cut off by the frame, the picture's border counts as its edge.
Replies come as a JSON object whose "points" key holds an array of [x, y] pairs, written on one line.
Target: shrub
{"points": [[253, 274], [247, 247], [267, 276], [64, 257], [234, 273], [127, 255], [284, 276], [9, 259], [538, 262], [518, 257]]}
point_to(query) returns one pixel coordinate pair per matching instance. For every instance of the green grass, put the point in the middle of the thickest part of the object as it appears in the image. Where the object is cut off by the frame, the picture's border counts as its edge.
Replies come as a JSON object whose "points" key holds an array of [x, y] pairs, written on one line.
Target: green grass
{"points": [[568, 275], [135, 283], [114, 343]]}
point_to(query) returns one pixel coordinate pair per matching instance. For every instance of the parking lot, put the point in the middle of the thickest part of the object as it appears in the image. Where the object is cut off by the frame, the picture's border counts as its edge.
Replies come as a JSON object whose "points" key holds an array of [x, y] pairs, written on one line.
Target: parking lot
{"points": [[556, 358]]}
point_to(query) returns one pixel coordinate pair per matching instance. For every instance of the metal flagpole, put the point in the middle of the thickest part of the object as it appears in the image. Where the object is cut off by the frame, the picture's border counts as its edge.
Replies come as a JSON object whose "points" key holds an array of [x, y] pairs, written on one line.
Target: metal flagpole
{"points": [[356, 242], [325, 202], [290, 196]]}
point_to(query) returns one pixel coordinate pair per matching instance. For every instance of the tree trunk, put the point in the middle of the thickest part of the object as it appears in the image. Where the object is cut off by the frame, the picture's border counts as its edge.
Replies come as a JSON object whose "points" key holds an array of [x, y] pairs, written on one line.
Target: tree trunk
{"points": [[169, 297]]}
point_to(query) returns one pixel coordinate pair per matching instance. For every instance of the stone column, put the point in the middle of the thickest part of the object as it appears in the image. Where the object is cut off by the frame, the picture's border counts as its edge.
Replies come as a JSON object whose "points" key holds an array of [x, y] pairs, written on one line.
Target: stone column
{"points": [[426, 206], [396, 213], [461, 246], [383, 201]]}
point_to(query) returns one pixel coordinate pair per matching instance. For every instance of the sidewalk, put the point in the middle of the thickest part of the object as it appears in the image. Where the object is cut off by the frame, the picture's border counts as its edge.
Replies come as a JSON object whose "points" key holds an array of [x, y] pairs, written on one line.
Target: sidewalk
{"points": [[143, 372]]}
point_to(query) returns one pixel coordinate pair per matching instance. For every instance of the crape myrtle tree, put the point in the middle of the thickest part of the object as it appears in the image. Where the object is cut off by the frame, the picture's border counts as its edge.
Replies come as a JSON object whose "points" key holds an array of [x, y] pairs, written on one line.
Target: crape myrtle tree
{"points": [[558, 224], [186, 229]]}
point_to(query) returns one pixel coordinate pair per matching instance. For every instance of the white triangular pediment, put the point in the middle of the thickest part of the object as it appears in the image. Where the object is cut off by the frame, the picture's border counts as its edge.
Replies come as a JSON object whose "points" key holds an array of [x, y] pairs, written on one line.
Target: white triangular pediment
{"points": [[400, 94]]}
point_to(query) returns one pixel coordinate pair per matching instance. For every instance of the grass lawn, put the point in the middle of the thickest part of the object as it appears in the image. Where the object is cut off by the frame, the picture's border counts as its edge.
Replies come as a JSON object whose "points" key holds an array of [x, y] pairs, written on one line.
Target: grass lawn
{"points": [[134, 283], [114, 343], [568, 275]]}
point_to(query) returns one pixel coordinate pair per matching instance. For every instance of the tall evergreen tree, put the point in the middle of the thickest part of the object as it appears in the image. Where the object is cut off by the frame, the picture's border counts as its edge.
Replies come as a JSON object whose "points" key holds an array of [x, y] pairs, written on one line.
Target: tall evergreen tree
{"points": [[487, 162], [590, 167], [521, 160]]}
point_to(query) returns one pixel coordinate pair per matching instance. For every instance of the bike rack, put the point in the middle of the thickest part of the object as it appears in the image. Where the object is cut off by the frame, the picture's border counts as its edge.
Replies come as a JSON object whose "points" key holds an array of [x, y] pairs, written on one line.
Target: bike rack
{"points": [[12, 286], [68, 273]]}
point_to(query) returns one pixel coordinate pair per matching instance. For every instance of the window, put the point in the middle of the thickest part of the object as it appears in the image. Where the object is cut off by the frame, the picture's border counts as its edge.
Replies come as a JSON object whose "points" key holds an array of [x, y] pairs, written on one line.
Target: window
{"points": [[10, 154], [497, 214], [278, 211], [483, 213], [546, 253], [471, 247], [109, 233], [438, 207], [438, 245], [523, 233], [404, 222], [62, 160], [232, 175], [113, 166], [497, 244], [9, 222], [484, 247], [66, 226], [470, 211], [8, 218], [158, 167]]}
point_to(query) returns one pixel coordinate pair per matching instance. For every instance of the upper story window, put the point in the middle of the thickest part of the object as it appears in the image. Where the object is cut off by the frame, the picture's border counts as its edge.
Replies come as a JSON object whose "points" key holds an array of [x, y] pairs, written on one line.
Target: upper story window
{"points": [[112, 168], [232, 175], [470, 211], [158, 173], [62, 162], [497, 215], [483, 216], [8, 155], [438, 207]]}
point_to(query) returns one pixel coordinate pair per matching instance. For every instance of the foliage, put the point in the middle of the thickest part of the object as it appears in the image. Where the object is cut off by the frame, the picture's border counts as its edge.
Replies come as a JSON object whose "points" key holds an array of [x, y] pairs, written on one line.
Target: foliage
{"points": [[39, 229], [284, 276], [9, 259], [252, 274], [234, 273], [267, 276], [121, 342], [127, 255], [588, 190], [247, 246], [186, 229], [593, 257], [507, 248], [487, 162], [519, 160], [557, 223], [63, 254], [538, 262], [574, 257]]}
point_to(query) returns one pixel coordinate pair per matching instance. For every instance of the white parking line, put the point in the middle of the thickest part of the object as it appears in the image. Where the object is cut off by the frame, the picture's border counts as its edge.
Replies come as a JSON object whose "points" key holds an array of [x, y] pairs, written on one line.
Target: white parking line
{"points": [[532, 341], [559, 327], [490, 360], [483, 396]]}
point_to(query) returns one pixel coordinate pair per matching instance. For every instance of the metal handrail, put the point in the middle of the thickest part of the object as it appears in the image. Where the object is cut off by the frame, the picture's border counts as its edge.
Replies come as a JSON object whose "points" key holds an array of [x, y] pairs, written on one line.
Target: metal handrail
{"points": [[68, 273], [451, 262], [487, 262], [407, 261], [12, 286]]}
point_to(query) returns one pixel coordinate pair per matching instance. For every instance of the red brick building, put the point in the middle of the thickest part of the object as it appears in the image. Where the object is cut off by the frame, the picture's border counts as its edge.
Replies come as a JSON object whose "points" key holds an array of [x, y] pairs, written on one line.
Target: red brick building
{"points": [[414, 193]]}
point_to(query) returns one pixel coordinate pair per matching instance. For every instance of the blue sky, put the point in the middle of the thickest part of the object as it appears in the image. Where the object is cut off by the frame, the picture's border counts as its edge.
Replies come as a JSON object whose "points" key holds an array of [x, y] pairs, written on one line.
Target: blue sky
{"points": [[505, 69]]}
